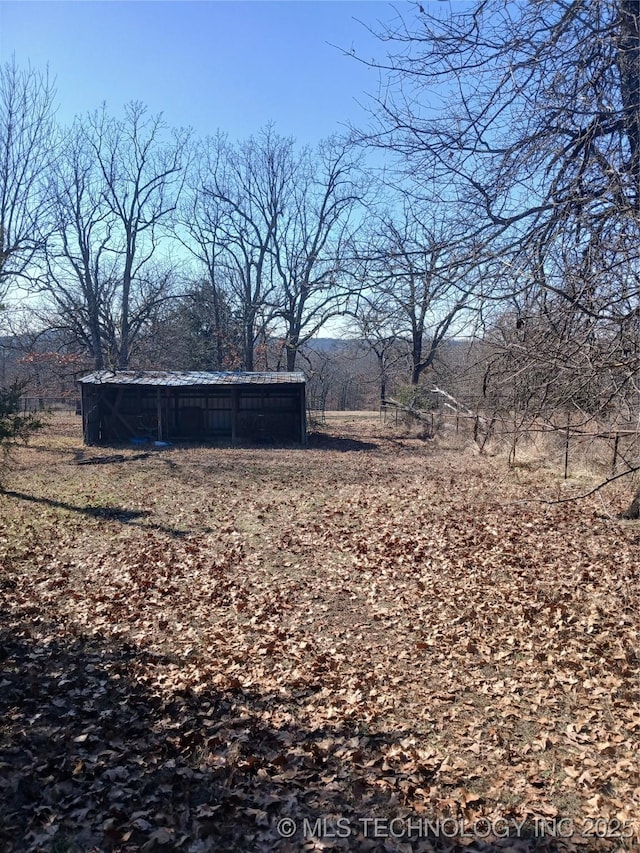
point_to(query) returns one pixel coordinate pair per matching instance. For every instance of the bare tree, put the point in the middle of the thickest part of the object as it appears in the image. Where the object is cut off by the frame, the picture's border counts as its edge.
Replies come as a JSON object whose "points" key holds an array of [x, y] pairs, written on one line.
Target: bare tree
{"points": [[201, 227], [142, 177], [115, 188], [82, 269], [313, 248], [374, 326], [27, 150], [248, 188], [413, 269], [526, 117], [271, 228]]}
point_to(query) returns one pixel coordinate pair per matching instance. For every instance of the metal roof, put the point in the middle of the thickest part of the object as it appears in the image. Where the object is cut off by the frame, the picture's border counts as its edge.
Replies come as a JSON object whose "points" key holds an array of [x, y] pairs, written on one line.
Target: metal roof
{"points": [[179, 378]]}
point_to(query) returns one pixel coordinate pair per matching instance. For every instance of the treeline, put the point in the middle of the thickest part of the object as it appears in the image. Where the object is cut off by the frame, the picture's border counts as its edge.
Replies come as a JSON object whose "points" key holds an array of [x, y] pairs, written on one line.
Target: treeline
{"points": [[507, 214], [133, 235]]}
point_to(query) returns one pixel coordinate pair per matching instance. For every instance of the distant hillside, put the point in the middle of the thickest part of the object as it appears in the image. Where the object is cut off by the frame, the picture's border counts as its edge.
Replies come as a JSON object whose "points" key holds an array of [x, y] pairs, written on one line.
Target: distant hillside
{"points": [[328, 344]]}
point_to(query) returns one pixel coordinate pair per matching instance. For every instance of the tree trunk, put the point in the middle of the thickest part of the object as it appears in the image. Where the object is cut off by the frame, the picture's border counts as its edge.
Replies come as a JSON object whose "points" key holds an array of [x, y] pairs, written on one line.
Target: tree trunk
{"points": [[248, 346], [633, 512], [416, 358], [292, 352], [383, 377], [125, 331], [628, 61], [217, 319], [96, 339]]}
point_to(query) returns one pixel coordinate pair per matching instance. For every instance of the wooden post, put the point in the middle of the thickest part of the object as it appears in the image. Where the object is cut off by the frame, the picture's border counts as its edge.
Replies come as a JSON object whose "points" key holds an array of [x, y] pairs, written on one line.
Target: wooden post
{"points": [[234, 413], [514, 441], [176, 415], [303, 415], [615, 453], [159, 411], [566, 446]]}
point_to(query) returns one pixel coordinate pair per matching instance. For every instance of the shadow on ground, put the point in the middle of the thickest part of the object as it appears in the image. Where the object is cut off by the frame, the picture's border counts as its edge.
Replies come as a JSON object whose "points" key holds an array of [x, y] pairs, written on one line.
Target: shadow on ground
{"points": [[99, 753], [109, 513], [325, 441]]}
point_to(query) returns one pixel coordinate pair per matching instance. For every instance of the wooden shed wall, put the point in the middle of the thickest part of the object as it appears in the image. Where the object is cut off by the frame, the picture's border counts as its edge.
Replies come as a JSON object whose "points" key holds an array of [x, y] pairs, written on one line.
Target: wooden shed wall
{"points": [[239, 413]]}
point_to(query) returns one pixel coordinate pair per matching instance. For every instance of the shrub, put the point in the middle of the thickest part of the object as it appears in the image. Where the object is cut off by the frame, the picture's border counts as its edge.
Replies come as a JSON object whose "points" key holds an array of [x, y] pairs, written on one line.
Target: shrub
{"points": [[14, 425]]}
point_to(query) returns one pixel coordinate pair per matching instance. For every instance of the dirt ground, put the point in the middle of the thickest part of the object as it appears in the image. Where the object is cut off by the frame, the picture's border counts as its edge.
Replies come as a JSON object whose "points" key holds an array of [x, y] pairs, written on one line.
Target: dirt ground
{"points": [[373, 643]]}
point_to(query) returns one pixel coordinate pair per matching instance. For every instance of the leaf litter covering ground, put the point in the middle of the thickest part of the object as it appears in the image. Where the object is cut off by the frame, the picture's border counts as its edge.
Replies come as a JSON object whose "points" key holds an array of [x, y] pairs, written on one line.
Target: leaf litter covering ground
{"points": [[199, 643]]}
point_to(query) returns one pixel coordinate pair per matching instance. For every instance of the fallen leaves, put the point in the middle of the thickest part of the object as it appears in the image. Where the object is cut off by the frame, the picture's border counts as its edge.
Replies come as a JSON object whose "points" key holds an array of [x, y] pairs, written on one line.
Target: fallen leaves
{"points": [[316, 635]]}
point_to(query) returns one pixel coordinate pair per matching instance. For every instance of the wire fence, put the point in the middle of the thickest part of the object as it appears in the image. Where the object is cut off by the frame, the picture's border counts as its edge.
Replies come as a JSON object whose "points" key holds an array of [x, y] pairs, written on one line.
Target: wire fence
{"points": [[609, 446], [50, 404]]}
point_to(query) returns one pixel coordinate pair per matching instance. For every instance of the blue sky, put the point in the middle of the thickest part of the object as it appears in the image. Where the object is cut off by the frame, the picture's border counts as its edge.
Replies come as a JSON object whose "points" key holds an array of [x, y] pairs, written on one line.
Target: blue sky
{"points": [[210, 65]]}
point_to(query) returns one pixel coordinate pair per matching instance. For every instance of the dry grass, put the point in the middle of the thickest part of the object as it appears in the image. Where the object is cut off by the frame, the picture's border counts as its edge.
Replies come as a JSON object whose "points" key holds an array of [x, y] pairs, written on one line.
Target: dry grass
{"points": [[397, 627]]}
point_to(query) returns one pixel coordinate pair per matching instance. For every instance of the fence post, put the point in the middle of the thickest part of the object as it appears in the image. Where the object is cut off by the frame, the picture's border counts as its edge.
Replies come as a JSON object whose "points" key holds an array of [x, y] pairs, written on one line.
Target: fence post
{"points": [[512, 455], [615, 453], [566, 446]]}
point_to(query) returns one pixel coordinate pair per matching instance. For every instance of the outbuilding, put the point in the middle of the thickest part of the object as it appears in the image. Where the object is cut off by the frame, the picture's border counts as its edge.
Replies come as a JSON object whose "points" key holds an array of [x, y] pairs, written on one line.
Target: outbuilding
{"points": [[236, 407]]}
